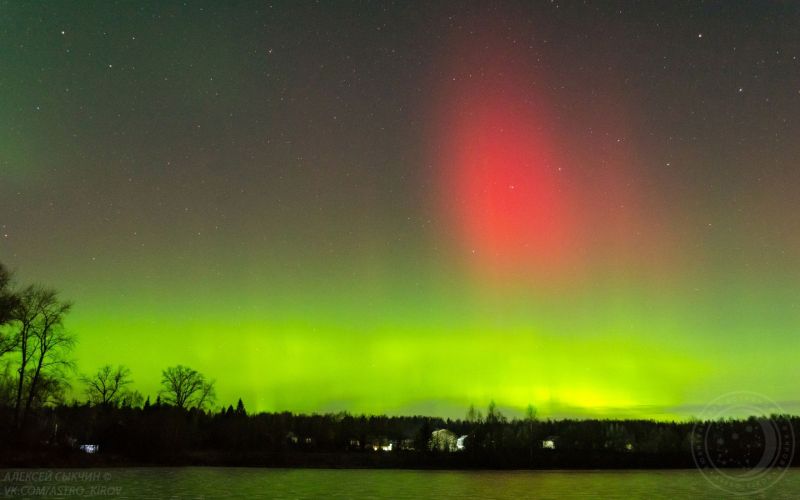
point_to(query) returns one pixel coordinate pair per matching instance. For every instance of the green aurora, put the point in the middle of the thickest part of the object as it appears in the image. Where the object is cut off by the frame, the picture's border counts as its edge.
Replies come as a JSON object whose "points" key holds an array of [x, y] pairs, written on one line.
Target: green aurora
{"points": [[212, 186]]}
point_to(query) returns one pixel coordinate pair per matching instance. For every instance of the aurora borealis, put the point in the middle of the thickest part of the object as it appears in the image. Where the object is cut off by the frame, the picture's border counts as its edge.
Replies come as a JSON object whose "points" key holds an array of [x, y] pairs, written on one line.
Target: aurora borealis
{"points": [[405, 208]]}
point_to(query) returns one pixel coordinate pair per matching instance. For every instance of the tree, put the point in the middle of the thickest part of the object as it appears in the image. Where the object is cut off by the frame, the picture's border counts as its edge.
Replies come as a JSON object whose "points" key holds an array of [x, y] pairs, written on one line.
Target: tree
{"points": [[107, 386], [207, 395], [50, 390], [8, 385], [8, 303], [473, 415], [186, 388], [422, 442], [131, 399], [43, 345], [530, 413], [494, 427], [240, 411], [493, 415], [530, 424]]}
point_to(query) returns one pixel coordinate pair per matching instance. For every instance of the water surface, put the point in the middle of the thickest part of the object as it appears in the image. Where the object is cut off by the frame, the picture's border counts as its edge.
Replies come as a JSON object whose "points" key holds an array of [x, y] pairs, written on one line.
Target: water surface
{"points": [[210, 482]]}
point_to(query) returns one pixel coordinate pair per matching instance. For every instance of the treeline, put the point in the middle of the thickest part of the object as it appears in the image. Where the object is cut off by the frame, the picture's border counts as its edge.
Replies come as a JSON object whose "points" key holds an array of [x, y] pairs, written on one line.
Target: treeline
{"points": [[161, 433], [116, 424]]}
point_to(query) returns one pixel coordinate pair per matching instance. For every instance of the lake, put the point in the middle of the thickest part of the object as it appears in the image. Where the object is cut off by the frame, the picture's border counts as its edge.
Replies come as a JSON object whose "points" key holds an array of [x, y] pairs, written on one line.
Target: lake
{"points": [[211, 482]]}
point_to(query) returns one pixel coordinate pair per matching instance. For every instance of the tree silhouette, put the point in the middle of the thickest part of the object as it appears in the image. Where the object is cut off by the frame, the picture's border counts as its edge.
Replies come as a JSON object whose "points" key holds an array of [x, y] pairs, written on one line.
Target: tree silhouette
{"points": [[43, 345], [530, 425], [493, 425], [530, 413], [107, 386], [131, 399], [473, 414], [8, 303], [186, 388]]}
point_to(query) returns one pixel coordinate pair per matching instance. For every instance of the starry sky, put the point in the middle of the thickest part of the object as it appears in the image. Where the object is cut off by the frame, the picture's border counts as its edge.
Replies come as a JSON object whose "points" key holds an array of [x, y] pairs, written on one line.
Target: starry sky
{"points": [[411, 207]]}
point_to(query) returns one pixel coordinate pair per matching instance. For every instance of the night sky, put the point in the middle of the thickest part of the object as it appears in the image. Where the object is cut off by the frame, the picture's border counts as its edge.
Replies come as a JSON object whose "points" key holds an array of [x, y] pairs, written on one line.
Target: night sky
{"points": [[414, 206]]}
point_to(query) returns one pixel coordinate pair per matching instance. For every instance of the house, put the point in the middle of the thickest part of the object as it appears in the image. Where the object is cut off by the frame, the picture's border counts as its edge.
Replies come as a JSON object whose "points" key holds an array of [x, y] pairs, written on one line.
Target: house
{"points": [[90, 448], [381, 443], [443, 440], [406, 444], [549, 443]]}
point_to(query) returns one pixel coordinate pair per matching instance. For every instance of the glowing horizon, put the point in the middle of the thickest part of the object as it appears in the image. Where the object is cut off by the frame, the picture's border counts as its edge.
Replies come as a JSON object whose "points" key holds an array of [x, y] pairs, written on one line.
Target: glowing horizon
{"points": [[492, 210]]}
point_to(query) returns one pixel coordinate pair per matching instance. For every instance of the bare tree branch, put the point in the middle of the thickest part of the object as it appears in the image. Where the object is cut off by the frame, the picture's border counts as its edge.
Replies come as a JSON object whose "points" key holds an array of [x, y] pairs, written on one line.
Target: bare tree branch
{"points": [[186, 388], [107, 386]]}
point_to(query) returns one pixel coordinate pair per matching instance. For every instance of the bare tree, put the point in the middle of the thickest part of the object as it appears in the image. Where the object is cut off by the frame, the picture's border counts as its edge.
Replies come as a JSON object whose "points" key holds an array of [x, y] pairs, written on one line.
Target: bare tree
{"points": [[107, 386], [207, 395], [42, 344], [50, 389], [8, 303], [131, 399], [8, 385], [186, 388], [25, 313]]}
